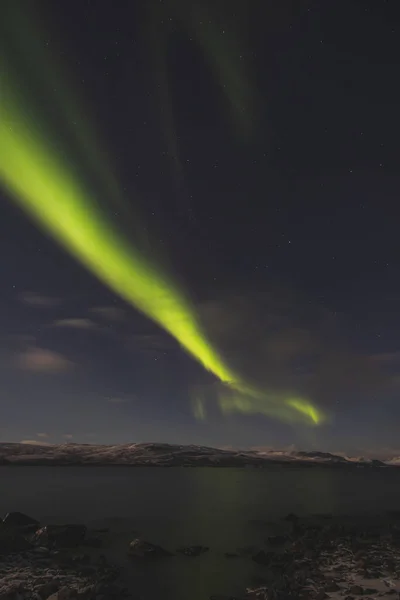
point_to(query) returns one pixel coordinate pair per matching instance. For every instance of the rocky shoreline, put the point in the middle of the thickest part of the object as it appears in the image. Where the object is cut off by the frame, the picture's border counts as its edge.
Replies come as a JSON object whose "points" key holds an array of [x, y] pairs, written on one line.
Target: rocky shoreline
{"points": [[53, 562], [318, 558]]}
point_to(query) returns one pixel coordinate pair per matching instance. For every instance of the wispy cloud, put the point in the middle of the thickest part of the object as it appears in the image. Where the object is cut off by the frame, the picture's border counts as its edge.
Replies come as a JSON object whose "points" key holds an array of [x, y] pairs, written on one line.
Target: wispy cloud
{"points": [[38, 300], [41, 360], [35, 443], [110, 313], [42, 435], [151, 343], [118, 400], [68, 436], [388, 358], [76, 323]]}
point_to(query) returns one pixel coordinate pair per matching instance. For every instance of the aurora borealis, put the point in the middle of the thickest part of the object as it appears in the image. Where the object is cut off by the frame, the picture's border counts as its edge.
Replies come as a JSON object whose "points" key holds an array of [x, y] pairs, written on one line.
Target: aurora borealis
{"points": [[80, 179]]}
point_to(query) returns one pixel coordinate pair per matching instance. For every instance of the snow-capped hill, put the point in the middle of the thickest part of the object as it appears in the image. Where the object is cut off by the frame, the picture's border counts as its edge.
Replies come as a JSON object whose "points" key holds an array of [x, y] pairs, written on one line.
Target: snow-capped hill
{"points": [[167, 455], [321, 456]]}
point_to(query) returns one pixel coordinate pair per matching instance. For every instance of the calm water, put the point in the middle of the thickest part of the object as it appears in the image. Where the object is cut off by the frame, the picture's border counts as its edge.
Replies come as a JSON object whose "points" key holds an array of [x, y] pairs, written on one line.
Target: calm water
{"points": [[224, 509]]}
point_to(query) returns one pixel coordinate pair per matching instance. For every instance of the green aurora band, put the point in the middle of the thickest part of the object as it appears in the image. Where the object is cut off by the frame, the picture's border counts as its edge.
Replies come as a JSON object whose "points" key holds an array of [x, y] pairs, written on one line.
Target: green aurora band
{"points": [[47, 189]]}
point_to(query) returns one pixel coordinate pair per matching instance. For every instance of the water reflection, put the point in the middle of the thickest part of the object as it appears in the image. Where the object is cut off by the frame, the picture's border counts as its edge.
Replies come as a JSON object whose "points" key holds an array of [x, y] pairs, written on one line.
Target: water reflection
{"points": [[224, 509]]}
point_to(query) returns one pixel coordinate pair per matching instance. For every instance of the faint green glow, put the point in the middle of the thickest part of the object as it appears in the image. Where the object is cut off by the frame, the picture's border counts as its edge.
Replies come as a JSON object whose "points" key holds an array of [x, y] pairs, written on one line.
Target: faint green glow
{"points": [[210, 27], [236, 400], [306, 408], [45, 186], [199, 409]]}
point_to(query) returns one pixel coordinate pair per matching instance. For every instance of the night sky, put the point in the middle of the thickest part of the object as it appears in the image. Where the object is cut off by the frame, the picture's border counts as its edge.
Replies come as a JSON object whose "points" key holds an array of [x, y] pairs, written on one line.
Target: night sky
{"points": [[278, 217]]}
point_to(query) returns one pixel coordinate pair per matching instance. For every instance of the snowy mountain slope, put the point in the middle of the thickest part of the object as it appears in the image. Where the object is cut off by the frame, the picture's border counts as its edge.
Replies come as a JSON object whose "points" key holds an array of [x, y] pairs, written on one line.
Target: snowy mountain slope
{"points": [[165, 455]]}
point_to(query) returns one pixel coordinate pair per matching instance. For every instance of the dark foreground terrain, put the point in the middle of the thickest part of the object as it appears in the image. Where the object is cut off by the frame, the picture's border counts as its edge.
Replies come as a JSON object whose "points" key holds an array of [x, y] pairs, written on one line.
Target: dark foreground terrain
{"points": [[318, 557], [168, 455]]}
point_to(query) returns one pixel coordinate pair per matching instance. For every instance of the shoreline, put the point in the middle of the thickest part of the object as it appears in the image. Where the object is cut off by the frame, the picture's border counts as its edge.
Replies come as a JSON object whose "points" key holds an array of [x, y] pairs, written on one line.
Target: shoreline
{"points": [[320, 557], [266, 465]]}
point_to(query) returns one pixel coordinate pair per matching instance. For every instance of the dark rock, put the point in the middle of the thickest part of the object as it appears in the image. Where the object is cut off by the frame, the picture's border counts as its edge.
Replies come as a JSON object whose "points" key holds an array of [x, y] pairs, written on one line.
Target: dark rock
{"points": [[47, 589], [331, 586], [372, 574], [109, 574], [141, 549], [11, 541], [232, 555], [102, 561], [193, 550], [82, 559], [20, 520], [60, 536], [87, 571], [321, 595], [86, 593], [66, 593], [226, 598], [13, 591], [356, 590]]}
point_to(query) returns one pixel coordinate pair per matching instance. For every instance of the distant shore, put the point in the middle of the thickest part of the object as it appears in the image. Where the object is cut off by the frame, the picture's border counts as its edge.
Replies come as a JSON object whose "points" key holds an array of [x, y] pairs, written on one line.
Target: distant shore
{"points": [[170, 455]]}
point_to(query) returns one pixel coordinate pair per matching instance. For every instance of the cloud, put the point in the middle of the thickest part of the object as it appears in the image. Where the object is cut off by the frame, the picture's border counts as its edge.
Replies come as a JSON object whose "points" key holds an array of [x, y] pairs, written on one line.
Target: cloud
{"points": [[118, 400], [76, 323], [42, 435], [68, 436], [284, 344], [151, 343], [41, 360], [38, 300], [19, 340], [110, 313], [388, 358], [35, 443]]}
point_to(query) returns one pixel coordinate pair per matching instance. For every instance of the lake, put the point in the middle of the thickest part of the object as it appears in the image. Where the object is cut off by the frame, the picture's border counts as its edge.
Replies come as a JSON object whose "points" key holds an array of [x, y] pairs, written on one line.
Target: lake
{"points": [[224, 509]]}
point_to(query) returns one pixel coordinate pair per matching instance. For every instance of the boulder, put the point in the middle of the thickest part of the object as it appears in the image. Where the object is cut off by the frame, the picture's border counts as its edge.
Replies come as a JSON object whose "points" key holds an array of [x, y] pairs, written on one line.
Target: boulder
{"points": [[61, 536], [47, 589], [193, 550], [331, 586], [141, 549], [19, 520], [356, 590], [66, 593]]}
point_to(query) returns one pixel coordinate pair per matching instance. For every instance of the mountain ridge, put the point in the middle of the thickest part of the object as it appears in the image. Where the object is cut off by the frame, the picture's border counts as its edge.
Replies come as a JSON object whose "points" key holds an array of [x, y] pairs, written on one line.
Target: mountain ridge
{"points": [[169, 455]]}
